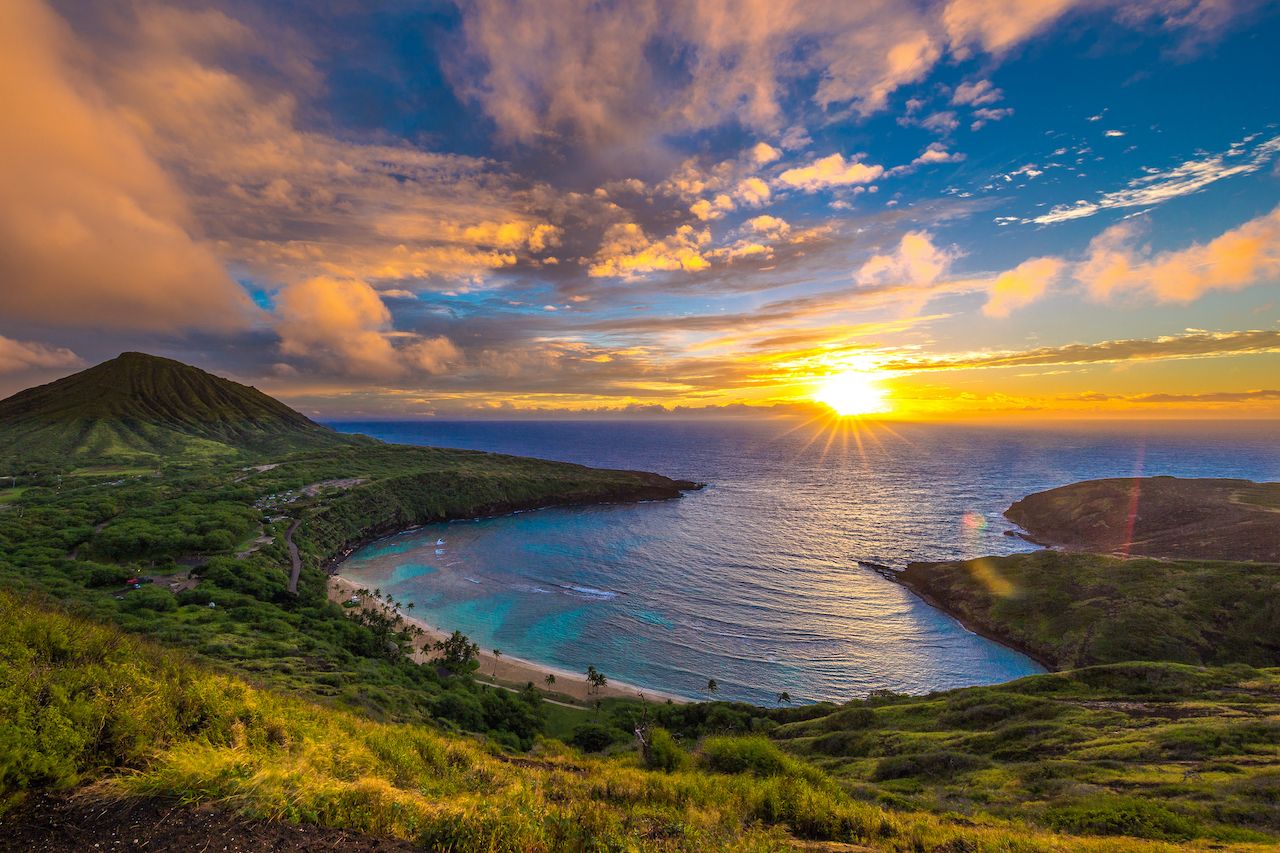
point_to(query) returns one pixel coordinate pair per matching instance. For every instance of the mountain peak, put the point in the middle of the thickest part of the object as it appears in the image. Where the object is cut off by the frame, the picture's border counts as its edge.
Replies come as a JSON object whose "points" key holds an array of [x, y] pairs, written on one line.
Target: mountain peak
{"points": [[138, 404]]}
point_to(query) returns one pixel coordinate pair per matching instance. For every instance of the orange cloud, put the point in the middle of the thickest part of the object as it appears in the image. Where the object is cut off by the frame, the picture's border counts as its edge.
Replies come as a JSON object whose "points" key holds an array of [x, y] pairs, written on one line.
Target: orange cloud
{"points": [[916, 262], [1021, 285], [1243, 256], [832, 171], [627, 251], [996, 25], [340, 322], [94, 231], [27, 355]]}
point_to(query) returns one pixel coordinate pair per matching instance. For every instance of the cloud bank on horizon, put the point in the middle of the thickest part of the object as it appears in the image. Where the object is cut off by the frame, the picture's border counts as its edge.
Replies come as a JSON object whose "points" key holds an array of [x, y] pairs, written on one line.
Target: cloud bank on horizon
{"points": [[435, 208]]}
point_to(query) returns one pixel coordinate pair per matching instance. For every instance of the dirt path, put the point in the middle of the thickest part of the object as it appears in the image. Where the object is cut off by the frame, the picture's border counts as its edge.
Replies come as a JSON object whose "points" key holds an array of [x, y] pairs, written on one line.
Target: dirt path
{"points": [[294, 558]]}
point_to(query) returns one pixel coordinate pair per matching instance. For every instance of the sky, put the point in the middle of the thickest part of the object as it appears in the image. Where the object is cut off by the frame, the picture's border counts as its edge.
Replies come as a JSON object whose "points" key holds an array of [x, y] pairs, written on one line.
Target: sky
{"points": [[982, 209]]}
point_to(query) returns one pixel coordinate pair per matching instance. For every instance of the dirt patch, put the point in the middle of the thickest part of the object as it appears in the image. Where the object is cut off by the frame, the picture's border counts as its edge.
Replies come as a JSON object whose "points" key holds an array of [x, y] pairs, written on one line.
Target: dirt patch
{"points": [[77, 823], [314, 489]]}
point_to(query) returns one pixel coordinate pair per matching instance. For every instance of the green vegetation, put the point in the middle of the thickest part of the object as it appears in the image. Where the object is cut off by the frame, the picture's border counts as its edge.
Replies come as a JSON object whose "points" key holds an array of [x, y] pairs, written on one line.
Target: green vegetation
{"points": [[140, 406], [179, 662], [1161, 751], [79, 539], [83, 704], [1073, 609]]}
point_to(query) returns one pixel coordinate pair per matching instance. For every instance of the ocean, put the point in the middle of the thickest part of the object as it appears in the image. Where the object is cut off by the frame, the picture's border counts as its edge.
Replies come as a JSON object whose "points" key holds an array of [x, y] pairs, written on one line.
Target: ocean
{"points": [[755, 581]]}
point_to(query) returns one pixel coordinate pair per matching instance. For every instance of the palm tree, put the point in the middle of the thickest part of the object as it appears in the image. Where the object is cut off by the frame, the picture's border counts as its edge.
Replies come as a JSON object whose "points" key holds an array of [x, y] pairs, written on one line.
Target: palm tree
{"points": [[497, 653], [784, 698], [591, 677], [409, 606], [550, 679], [712, 687]]}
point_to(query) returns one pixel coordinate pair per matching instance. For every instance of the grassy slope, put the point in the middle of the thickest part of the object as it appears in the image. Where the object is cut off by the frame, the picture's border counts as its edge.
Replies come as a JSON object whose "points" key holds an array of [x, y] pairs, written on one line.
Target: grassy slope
{"points": [[1074, 609], [139, 405], [1164, 751], [82, 703]]}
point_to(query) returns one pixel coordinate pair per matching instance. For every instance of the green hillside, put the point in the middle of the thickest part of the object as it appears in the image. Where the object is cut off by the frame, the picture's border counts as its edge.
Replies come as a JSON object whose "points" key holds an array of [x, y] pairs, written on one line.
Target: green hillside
{"points": [[160, 654], [1134, 758], [1070, 609], [139, 406]]}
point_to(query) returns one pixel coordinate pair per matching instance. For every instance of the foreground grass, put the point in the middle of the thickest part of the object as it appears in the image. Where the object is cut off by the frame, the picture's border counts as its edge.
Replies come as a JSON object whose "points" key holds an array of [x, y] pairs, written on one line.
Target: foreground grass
{"points": [[82, 703], [1163, 751]]}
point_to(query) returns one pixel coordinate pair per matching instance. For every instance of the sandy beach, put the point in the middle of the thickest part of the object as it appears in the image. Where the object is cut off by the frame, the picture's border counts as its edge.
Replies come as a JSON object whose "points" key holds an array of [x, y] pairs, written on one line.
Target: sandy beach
{"points": [[510, 671]]}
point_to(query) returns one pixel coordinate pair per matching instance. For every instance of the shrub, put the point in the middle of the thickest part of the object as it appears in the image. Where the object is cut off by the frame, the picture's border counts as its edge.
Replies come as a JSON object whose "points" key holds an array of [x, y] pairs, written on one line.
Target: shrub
{"points": [[756, 755], [941, 764], [100, 574], [150, 598], [460, 708], [850, 718], [664, 753], [848, 744], [592, 737], [1108, 815]]}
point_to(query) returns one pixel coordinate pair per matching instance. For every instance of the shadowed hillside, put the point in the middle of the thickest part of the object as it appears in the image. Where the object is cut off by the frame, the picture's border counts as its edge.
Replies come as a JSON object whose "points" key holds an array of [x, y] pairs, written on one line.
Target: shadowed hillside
{"points": [[139, 406], [1206, 519]]}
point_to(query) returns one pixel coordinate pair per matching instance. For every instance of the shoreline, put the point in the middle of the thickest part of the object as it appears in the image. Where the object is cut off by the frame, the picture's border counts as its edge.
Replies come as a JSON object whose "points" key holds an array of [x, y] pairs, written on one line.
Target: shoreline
{"points": [[981, 630], [513, 671], [332, 564]]}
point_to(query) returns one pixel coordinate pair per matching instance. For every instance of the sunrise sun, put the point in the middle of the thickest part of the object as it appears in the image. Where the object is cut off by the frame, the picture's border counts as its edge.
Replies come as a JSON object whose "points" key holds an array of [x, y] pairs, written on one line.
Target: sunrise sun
{"points": [[851, 393]]}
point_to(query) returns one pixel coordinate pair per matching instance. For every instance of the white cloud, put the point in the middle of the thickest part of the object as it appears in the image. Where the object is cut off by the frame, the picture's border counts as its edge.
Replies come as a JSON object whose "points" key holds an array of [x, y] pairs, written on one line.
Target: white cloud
{"points": [[770, 227], [1158, 186], [627, 252], [937, 153], [752, 192]]}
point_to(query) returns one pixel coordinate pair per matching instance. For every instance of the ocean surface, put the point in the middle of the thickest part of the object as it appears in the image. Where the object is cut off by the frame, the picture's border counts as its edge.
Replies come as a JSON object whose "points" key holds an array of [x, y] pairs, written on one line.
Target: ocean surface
{"points": [[755, 580]]}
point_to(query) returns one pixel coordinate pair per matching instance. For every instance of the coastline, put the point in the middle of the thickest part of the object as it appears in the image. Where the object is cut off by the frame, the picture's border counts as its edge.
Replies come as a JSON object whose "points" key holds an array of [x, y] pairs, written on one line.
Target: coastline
{"points": [[513, 672], [981, 629]]}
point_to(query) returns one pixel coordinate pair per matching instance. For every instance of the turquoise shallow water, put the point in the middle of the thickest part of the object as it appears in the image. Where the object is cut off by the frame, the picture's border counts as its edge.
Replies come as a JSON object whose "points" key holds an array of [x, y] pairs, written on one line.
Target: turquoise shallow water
{"points": [[755, 580]]}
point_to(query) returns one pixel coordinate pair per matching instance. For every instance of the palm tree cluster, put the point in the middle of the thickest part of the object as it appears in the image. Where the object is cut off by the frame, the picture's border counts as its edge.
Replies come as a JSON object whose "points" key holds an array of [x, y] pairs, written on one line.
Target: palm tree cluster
{"points": [[395, 636], [596, 679]]}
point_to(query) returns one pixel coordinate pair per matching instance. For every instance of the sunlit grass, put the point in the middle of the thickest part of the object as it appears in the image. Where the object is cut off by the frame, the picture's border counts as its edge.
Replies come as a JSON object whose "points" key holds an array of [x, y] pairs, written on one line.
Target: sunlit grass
{"points": [[85, 703]]}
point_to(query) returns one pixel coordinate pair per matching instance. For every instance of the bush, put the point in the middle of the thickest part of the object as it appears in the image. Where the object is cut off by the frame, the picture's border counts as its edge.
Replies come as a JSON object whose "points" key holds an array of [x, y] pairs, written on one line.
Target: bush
{"points": [[756, 755], [593, 737], [664, 753], [99, 574], [460, 708], [941, 763], [850, 718], [1123, 816], [150, 598], [848, 744]]}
